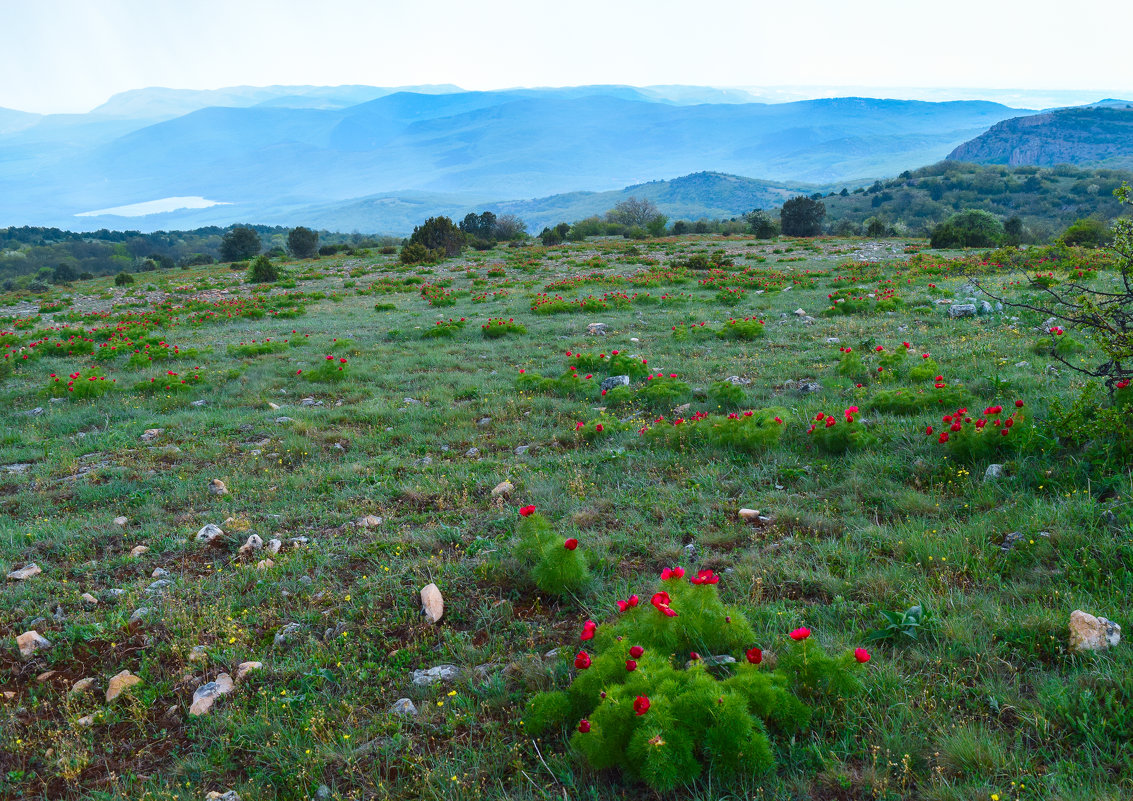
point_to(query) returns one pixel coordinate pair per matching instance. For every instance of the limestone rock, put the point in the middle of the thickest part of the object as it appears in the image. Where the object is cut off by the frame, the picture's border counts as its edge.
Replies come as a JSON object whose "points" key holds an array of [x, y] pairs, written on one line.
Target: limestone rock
{"points": [[370, 521], [82, 686], [749, 514], [206, 694], [210, 534], [244, 668], [88, 599], [404, 707], [522, 449], [253, 543], [287, 634], [217, 487], [273, 546], [231, 795], [24, 573], [121, 521], [432, 603], [1089, 633], [120, 683], [264, 564], [962, 310], [150, 434], [138, 550], [596, 329], [993, 472], [440, 673], [31, 641], [614, 381], [139, 614], [503, 488]]}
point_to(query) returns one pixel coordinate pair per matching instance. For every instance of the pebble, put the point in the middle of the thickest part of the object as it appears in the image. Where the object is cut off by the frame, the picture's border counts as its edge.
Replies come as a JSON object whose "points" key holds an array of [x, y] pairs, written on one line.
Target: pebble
{"points": [[206, 694], [404, 706], [217, 487], [244, 668], [1090, 633], [120, 683], [503, 488], [24, 573], [138, 550], [31, 641], [432, 603], [440, 673], [83, 685], [121, 521]]}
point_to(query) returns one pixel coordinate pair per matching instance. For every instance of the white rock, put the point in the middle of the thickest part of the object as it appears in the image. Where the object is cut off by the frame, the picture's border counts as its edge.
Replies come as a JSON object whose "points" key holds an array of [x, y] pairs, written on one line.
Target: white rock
{"points": [[1089, 633], [749, 514], [206, 694], [138, 550], [82, 686], [432, 603], [24, 573], [440, 673], [217, 487], [121, 521], [370, 521], [120, 683], [503, 488], [209, 533], [31, 641], [244, 668], [405, 707], [150, 434]]}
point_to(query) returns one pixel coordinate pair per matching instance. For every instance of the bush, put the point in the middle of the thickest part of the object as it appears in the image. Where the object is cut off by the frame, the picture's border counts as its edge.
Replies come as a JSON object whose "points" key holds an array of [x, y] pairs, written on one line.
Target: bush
{"points": [[303, 242], [80, 385], [497, 327], [971, 228], [637, 704], [802, 216], [555, 564], [330, 370], [263, 271], [240, 244], [985, 436], [439, 233], [747, 329], [123, 279], [1087, 233], [416, 253], [834, 436], [444, 329], [749, 432]]}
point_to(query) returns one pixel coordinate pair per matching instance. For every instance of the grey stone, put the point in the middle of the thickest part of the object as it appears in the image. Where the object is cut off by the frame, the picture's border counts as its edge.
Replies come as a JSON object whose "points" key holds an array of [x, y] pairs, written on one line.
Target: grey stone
{"points": [[738, 381], [440, 673], [596, 329], [287, 634], [30, 570], [206, 694], [140, 614], [159, 586], [522, 449], [484, 421], [405, 707], [1011, 540], [210, 533], [962, 310], [1090, 633], [993, 472], [614, 381], [471, 453]]}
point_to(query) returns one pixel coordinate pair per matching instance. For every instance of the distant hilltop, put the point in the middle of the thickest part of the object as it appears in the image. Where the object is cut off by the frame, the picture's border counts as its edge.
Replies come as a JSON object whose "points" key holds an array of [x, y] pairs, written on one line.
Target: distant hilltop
{"points": [[1097, 135]]}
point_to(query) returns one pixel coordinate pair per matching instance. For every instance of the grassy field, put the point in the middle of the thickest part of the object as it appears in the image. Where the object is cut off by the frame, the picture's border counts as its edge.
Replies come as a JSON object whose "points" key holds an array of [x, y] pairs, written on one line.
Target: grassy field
{"points": [[243, 384]]}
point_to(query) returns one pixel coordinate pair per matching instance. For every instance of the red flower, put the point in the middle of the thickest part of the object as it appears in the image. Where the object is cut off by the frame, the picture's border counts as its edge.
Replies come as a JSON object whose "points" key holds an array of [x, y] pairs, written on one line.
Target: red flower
{"points": [[928, 430], [694, 656], [754, 655], [588, 630], [631, 666], [599, 427], [705, 577], [640, 705], [584, 726], [636, 651], [571, 544], [527, 511], [582, 661], [660, 600], [800, 633], [1018, 404], [672, 572], [861, 654]]}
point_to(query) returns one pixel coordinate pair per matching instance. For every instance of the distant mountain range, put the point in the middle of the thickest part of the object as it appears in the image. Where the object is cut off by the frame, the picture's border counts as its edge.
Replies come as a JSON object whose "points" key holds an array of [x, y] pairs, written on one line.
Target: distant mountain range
{"points": [[1098, 135], [379, 160]]}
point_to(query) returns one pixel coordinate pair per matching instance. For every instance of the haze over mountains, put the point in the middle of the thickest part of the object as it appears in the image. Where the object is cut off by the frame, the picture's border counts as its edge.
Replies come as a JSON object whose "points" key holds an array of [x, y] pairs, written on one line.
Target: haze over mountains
{"points": [[379, 159]]}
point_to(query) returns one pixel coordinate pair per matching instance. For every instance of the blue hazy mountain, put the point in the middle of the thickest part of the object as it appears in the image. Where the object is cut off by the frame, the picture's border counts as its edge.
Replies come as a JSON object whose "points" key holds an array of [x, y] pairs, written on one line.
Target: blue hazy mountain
{"points": [[268, 151]]}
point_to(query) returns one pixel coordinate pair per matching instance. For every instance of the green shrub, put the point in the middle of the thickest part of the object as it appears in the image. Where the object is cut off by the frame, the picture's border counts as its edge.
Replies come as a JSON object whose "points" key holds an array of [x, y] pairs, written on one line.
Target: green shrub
{"points": [[747, 329], [498, 327], [725, 394], [556, 565], [985, 436], [330, 370], [263, 270], [751, 431], [123, 279], [838, 436], [444, 329], [81, 385]]}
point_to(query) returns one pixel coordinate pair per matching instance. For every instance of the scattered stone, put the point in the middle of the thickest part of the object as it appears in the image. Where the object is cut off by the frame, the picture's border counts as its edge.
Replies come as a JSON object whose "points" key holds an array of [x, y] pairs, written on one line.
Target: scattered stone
{"points": [[1011, 540], [471, 453], [138, 550], [206, 694], [370, 521], [150, 434], [986, 308], [596, 329], [404, 707], [265, 564], [424, 461], [738, 381], [287, 634], [230, 795], [962, 310], [807, 385], [614, 381], [254, 543], [273, 406], [690, 552], [216, 487], [198, 653], [120, 684], [432, 603], [140, 614], [484, 421], [310, 402], [749, 514], [1022, 364], [38, 410], [1089, 633], [24, 573], [46, 676], [993, 472], [88, 599], [440, 673], [284, 420], [159, 572], [31, 641], [832, 340], [683, 408], [522, 449], [85, 722], [18, 469], [503, 488], [121, 521], [244, 668], [114, 593], [160, 586], [273, 545], [83, 686], [799, 313], [198, 403], [210, 534]]}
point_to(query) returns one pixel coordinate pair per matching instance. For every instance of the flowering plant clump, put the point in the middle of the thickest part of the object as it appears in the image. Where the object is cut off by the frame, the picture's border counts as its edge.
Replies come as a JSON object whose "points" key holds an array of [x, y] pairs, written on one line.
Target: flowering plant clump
{"points": [[330, 370], [556, 565], [1058, 343], [996, 431], [81, 385], [751, 431], [170, 382], [850, 364], [569, 385], [497, 327], [437, 295], [616, 363], [909, 401], [838, 433], [925, 369], [683, 332], [595, 429], [253, 348], [747, 329], [676, 685], [444, 328], [662, 392], [725, 394]]}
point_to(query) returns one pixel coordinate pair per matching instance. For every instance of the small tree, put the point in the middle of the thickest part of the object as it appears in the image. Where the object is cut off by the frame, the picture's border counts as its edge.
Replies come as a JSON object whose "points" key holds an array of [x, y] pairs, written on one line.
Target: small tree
{"points": [[971, 228], [1087, 233], [239, 244], [63, 274], [303, 242], [802, 216], [509, 227], [123, 279], [761, 224], [263, 270], [439, 233]]}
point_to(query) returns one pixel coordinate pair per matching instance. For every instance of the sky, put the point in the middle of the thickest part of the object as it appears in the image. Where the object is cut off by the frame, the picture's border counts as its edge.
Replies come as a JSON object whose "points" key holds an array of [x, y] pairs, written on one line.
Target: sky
{"points": [[72, 55]]}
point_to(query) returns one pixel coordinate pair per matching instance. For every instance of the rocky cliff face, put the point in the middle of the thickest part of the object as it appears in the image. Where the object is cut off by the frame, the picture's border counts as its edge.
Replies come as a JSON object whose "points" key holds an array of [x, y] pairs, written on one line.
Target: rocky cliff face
{"points": [[1094, 135]]}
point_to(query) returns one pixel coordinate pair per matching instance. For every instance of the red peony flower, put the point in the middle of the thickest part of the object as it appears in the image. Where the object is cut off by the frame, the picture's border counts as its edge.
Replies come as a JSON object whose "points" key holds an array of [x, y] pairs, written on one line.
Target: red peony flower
{"points": [[672, 573], [636, 651], [527, 511], [661, 601], [705, 577], [800, 633], [588, 630], [584, 726], [1018, 404], [640, 705], [754, 656], [582, 661], [861, 654], [631, 666], [571, 544]]}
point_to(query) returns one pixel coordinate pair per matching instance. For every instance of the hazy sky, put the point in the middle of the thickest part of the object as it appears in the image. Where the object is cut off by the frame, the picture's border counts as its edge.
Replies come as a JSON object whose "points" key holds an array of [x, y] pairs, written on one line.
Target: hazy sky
{"points": [[71, 55]]}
